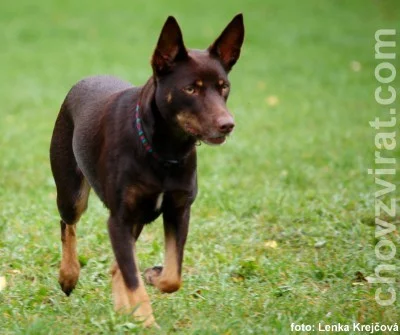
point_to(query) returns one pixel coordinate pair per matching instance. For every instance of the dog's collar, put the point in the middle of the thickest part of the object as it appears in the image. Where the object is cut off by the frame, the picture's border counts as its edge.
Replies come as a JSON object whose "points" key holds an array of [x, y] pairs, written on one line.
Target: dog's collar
{"points": [[146, 144]]}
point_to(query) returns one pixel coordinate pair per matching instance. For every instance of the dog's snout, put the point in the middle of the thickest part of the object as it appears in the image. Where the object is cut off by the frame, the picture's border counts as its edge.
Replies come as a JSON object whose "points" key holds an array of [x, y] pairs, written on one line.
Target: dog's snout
{"points": [[226, 124]]}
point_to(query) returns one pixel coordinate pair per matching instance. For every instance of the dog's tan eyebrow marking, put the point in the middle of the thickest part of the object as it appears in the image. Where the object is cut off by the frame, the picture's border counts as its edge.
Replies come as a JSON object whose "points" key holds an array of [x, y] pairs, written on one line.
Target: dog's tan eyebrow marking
{"points": [[221, 82], [169, 97], [199, 83]]}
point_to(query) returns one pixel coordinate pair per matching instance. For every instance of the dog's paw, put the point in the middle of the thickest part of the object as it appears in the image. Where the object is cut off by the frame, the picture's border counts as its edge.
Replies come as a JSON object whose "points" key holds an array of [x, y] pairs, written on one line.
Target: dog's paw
{"points": [[67, 283], [148, 322], [165, 283], [152, 274], [68, 276]]}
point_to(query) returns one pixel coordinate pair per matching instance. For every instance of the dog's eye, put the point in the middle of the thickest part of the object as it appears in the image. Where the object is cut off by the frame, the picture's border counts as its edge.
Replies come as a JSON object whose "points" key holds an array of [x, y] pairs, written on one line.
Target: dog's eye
{"points": [[225, 86], [189, 90]]}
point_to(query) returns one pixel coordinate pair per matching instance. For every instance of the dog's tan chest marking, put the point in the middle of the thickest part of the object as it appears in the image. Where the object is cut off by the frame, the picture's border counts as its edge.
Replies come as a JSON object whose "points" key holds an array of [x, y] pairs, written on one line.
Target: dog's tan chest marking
{"points": [[159, 201]]}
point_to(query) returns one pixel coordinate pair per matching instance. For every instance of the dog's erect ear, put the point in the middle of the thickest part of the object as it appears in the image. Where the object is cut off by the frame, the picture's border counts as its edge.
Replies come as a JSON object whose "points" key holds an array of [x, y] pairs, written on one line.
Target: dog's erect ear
{"points": [[227, 46], [170, 48]]}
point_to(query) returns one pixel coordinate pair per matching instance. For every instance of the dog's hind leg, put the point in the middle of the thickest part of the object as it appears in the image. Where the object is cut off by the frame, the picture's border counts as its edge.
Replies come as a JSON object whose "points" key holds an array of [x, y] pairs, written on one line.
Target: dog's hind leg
{"points": [[72, 197]]}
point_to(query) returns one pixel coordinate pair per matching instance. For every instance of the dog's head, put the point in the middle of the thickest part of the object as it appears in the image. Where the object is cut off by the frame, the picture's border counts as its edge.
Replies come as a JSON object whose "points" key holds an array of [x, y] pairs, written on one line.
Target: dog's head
{"points": [[192, 86]]}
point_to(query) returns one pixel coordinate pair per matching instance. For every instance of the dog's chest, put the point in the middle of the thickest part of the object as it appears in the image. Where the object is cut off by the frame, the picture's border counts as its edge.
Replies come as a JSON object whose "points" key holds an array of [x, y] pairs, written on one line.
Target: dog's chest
{"points": [[150, 208], [159, 201]]}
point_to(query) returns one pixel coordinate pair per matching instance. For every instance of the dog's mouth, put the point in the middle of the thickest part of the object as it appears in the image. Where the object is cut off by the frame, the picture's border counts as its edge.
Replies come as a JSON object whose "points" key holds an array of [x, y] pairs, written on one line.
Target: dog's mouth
{"points": [[210, 140], [214, 140]]}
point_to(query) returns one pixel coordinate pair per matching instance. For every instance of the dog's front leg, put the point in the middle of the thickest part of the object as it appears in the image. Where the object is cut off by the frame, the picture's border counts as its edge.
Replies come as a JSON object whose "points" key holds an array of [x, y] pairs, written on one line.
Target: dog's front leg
{"points": [[129, 293], [168, 278]]}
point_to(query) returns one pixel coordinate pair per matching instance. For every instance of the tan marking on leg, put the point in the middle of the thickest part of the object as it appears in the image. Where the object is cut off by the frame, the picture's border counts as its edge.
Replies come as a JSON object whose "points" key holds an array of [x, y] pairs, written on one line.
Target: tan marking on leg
{"points": [[69, 268], [168, 280], [81, 203], [128, 301], [120, 297]]}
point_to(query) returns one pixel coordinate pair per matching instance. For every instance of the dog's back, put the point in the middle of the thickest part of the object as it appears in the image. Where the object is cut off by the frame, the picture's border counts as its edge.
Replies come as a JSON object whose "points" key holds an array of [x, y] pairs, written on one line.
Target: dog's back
{"points": [[90, 94]]}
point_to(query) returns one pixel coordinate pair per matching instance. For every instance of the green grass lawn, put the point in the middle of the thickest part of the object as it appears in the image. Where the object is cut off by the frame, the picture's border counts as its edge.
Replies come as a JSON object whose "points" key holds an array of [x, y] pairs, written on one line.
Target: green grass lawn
{"points": [[285, 214]]}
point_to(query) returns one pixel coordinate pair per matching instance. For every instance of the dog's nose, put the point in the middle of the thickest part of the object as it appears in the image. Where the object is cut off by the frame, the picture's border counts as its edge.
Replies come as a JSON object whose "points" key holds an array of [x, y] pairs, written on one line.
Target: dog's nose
{"points": [[226, 125]]}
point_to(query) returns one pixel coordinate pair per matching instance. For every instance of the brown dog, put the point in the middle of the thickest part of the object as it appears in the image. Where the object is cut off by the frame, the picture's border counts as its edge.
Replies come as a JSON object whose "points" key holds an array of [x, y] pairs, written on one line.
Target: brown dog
{"points": [[135, 146]]}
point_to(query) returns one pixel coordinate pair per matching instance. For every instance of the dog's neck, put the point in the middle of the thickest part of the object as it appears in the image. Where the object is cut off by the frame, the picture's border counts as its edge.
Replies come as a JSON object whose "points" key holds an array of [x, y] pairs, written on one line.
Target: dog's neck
{"points": [[167, 140]]}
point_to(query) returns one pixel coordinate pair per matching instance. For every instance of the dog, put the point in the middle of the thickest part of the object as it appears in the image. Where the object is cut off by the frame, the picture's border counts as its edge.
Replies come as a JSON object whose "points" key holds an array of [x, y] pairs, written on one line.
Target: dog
{"points": [[136, 147]]}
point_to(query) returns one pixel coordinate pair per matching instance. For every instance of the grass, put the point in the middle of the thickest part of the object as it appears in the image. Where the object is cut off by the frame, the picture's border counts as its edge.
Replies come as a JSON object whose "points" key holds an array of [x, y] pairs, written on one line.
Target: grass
{"points": [[285, 215]]}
